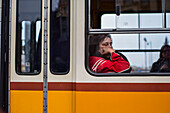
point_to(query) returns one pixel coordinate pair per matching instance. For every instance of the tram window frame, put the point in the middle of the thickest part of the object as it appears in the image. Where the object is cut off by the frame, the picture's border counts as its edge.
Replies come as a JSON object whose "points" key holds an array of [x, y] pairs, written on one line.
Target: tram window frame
{"points": [[51, 46], [90, 31], [39, 41]]}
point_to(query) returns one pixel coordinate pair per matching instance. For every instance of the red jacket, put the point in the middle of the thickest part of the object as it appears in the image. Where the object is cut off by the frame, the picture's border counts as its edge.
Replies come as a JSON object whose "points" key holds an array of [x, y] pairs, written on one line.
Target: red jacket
{"points": [[100, 65]]}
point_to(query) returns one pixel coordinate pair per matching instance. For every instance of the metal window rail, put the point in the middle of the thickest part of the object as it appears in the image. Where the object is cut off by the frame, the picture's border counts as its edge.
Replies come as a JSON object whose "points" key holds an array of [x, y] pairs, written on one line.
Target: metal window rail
{"points": [[129, 31], [139, 50]]}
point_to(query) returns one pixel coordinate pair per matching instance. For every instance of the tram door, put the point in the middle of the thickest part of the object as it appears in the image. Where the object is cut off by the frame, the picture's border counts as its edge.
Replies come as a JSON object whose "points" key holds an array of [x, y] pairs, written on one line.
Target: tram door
{"points": [[40, 71], [60, 86], [26, 60]]}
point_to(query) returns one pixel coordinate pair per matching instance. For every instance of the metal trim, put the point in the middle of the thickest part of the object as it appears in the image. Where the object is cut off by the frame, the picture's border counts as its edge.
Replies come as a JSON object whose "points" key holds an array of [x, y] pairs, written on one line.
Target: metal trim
{"points": [[45, 60], [129, 30]]}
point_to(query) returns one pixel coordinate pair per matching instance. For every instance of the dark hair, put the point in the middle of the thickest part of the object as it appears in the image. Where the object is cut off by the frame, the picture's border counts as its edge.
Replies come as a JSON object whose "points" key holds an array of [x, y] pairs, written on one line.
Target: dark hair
{"points": [[162, 48], [94, 41]]}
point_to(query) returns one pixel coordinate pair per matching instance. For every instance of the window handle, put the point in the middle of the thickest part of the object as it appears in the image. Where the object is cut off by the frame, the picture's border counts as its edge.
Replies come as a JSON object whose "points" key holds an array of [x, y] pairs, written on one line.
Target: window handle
{"points": [[118, 10]]}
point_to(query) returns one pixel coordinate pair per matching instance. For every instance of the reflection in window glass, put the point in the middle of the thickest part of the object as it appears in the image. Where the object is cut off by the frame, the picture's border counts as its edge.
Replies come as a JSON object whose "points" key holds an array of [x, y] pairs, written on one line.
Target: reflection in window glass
{"points": [[28, 38], [141, 50], [168, 20], [153, 20], [141, 61], [127, 21], [140, 20], [120, 41], [59, 37], [108, 21], [136, 41], [140, 5], [131, 13], [25, 42], [153, 41]]}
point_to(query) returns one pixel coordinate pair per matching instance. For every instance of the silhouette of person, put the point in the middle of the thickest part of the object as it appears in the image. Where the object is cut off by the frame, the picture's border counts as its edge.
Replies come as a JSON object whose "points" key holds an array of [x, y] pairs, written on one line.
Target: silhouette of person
{"points": [[163, 63]]}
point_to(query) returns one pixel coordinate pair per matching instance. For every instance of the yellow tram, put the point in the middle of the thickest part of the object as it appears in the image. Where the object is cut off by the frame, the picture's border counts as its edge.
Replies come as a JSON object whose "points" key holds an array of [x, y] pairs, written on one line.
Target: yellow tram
{"points": [[48, 56]]}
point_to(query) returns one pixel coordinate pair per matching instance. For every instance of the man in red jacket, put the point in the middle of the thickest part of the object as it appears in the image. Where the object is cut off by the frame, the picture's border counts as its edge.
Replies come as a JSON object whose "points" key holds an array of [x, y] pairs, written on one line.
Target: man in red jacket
{"points": [[103, 58]]}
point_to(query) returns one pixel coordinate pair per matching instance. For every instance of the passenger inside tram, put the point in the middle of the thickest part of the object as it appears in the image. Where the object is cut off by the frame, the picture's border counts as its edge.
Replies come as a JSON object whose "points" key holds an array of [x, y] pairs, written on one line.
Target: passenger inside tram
{"points": [[163, 63], [103, 58]]}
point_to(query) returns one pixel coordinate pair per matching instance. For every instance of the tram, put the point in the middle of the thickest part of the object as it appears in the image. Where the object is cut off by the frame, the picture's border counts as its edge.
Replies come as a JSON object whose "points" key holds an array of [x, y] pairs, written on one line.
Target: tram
{"points": [[44, 56]]}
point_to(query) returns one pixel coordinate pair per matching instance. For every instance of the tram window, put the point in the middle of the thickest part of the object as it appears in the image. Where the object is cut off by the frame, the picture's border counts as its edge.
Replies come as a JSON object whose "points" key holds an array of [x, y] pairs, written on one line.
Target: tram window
{"points": [[141, 10], [138, 32], [168, 20], [59, 36], [28, 38], [142, 50]]}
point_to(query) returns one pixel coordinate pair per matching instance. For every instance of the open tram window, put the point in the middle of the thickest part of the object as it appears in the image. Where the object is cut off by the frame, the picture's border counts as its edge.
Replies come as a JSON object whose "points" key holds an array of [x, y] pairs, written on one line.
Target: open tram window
{"points": [[28, 38], [138, 29], [147, 10], [60, 36], [142, 50]]}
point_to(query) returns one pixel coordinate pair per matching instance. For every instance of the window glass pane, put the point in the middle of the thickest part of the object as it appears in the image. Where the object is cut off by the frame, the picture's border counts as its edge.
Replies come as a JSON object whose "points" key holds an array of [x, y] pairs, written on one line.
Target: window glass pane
{"points": [[98, 8], [153, 20], [141, 50], [108, 21], [120, 41], [127, 21], [168, 20], [141, 61], [59, 37], [28, 37], [140, 20], [129, 13], [122, 21], [140, 6], [136, 41], [154, 41], [167, 8]]}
